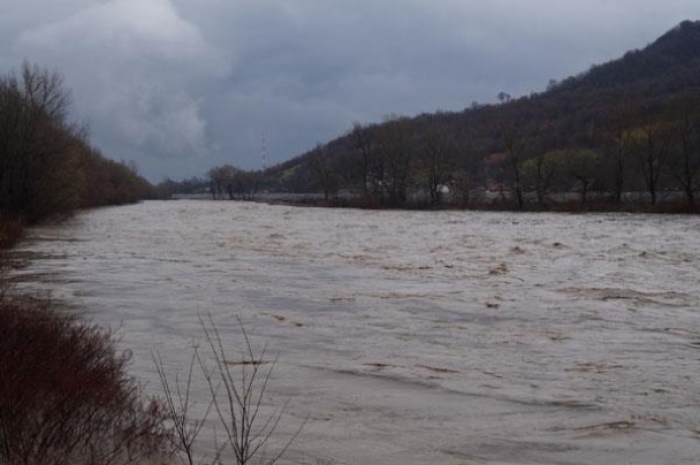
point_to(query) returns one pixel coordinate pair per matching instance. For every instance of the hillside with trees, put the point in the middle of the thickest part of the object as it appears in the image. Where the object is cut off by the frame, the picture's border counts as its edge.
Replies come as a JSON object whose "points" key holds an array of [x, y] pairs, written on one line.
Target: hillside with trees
{"points": [[65, 393], [622, 133], [48, 169]]}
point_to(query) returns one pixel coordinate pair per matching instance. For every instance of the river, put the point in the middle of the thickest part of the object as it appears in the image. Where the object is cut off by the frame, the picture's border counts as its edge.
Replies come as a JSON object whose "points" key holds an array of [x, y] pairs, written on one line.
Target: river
{"points": [[408, 338]]}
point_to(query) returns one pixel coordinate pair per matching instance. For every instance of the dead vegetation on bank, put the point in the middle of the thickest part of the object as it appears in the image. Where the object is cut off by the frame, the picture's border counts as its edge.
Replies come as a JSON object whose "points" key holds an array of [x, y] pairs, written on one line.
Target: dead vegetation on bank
{"points": [[65, 393], [66, 396]]}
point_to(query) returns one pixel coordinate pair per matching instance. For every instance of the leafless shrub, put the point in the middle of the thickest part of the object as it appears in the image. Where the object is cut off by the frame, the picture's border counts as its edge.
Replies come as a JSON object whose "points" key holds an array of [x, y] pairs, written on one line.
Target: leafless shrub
{"points": [[10, 232], [236, 392], [65, 397], [179, 405]]}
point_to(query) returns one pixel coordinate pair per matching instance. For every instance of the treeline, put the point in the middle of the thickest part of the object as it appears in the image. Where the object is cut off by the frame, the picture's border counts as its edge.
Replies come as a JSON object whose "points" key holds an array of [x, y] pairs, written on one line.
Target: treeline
{"points": [[48, 168], [519, 154], [626, 132], [648, 147], [230, 182], [622, 135], [221, 182]]}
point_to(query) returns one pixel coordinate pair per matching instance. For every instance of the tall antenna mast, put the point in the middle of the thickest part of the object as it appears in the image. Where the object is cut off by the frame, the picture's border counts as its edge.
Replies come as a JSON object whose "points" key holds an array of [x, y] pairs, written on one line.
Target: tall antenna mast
{"points": [[264, 152]]}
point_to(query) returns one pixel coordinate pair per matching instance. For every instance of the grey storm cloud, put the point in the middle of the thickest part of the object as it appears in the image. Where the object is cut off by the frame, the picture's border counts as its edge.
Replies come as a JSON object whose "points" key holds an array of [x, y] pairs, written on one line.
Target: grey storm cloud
{"points": [[136, 70], [180, 86]]}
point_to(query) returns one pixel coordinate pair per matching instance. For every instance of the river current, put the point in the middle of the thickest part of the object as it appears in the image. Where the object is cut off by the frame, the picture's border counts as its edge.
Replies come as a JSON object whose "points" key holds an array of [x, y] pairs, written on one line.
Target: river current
{"points": [[408, 338]]}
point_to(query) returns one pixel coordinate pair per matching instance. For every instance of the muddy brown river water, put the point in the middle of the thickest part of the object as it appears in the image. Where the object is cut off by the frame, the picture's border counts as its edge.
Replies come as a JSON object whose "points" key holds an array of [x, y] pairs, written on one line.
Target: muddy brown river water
{"points": [[413, 337]]}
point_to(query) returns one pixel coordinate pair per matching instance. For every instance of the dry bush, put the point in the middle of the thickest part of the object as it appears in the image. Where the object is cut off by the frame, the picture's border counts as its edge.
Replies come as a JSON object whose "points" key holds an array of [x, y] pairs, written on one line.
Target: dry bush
{"points": [[236, 393], [10, 232], [65, 397]]}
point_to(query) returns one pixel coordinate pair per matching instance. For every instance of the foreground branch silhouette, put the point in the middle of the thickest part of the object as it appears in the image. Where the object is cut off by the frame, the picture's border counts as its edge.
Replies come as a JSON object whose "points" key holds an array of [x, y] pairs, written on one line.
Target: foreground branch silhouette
{"points": [[236, 392]]}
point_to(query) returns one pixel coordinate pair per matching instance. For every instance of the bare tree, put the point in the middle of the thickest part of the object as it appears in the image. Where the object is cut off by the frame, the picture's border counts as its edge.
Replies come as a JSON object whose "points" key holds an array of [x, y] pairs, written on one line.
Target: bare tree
{"points": [[396, 152], [582, 167], [541, 172], [361, 137], [652, 146], [504, 97], [37, 156], [216, 183], [512, 143], [438, 149], [684, 162], [617, 132], [47, 167], [467, 165], [236, 393], [319, 164], [179, 405], [228, 175]]}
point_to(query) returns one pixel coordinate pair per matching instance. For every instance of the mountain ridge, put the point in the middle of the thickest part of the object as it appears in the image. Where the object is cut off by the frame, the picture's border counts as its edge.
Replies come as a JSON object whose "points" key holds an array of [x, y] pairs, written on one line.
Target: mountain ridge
{"points": [[579, 115], [679, 46]]}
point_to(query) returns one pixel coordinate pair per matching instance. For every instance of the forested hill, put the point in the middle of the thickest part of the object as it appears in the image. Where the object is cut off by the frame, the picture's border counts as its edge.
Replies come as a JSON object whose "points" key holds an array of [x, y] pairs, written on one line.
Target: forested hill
{"points": [[629, 125], [669, 64], [48, 169]]}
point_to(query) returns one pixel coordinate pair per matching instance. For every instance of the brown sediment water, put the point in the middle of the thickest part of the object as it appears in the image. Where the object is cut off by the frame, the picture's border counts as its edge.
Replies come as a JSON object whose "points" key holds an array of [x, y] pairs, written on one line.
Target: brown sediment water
{"points": [[413, 337]]}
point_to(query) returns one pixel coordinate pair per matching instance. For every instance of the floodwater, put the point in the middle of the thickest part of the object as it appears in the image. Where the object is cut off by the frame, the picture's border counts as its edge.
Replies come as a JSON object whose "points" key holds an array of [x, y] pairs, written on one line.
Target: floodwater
{"points": [[413, 337]]}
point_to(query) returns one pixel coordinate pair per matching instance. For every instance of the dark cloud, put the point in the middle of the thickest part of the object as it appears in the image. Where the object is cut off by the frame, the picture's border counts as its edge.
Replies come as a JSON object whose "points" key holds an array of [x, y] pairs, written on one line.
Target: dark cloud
{"points": [[183, 85]]}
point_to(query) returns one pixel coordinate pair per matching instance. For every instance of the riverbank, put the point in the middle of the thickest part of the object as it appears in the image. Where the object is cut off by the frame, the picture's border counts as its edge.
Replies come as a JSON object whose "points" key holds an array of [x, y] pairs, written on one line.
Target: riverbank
{"points": [[11, 231], [562, 204], [66, 393]]}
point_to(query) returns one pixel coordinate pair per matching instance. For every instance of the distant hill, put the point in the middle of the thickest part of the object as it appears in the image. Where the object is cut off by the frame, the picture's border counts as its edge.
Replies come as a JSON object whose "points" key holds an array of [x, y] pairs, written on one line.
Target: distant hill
{"points": [[592, 132], [669, 64]]}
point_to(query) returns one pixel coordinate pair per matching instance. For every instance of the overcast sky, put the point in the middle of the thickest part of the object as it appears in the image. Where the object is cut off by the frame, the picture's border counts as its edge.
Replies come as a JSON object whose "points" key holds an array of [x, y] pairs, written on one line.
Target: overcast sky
{"points": [[180, 86]]}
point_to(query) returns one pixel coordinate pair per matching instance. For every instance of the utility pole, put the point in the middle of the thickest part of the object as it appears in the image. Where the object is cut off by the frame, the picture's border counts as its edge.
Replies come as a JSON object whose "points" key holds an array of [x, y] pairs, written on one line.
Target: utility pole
{"points": [[265, 157]]}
